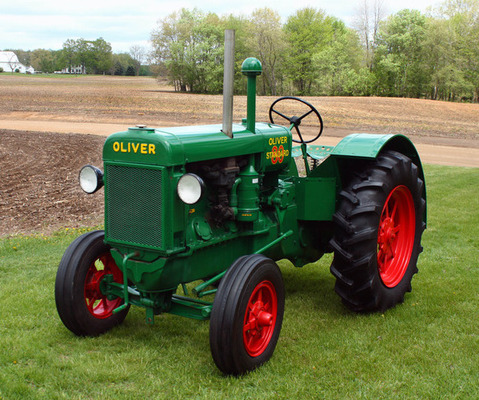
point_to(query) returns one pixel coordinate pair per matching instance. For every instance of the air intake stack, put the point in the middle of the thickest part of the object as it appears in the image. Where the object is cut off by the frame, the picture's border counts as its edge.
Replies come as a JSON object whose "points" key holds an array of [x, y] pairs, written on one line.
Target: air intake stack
{"points": [[251, 68]]}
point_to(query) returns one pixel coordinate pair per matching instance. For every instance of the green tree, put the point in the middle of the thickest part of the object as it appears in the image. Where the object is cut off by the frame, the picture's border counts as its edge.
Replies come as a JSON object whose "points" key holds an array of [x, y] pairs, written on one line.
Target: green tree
{"points": [[208, 52], [70, 54], [368, 17], [84, 54], [145, 70], [266, 39], [45, 60], [92, 56], [190, 44], [339, 65], [445, 63], [308, 31], [118, 68], [101, 58], [138, 54], [459, 20], [130, 71], [400, 59], [121, 62], [241, 25]]}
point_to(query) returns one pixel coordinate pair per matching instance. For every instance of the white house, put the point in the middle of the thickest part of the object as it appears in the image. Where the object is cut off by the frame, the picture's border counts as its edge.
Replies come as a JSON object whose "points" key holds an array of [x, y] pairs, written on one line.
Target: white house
{"points": [[74, 70], [9, 63]]}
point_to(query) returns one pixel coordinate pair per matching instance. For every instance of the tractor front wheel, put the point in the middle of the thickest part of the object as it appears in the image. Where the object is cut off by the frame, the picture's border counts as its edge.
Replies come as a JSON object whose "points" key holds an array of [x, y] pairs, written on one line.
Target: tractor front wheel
{"points": [[82, 307], [378, 229], [247, 315]]}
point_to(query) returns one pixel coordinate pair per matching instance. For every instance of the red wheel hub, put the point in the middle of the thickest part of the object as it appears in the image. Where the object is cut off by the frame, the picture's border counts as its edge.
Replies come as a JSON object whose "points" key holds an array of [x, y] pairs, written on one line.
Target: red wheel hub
{"points": [[260, 318], [97, 303], [396, 236]]}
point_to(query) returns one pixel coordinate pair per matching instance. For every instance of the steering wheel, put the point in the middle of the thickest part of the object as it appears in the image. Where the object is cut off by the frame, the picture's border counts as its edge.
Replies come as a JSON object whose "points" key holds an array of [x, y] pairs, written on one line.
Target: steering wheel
{"points": [[296, 121]]}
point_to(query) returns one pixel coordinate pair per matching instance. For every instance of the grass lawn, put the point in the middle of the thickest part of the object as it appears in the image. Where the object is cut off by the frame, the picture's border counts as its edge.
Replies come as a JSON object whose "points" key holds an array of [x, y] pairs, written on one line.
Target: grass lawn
{"points": [[427, 347]]}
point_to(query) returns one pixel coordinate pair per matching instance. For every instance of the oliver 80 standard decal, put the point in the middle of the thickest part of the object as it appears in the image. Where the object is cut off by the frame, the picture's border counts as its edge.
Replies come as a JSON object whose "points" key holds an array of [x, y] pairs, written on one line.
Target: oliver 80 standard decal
{"points": [[278, 152]]}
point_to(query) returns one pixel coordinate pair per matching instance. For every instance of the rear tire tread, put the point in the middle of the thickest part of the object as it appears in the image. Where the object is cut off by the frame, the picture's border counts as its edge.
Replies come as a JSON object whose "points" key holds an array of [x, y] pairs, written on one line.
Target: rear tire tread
{"points": [[356, 228]]}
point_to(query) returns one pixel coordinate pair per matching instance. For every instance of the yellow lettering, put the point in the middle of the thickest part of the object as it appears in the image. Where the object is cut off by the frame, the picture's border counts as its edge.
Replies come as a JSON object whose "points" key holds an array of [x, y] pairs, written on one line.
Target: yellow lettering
{"points": [[277, 140], [132, 147]]}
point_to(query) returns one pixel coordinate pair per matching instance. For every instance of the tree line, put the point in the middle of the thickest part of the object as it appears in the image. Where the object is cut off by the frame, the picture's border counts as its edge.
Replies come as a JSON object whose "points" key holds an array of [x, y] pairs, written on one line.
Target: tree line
{"points": [[408, 54], [86, 56]]}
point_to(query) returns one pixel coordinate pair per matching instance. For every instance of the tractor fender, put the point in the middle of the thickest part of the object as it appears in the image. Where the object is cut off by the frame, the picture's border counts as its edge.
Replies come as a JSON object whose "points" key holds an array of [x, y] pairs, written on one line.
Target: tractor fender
{"points": [[367, 145]]}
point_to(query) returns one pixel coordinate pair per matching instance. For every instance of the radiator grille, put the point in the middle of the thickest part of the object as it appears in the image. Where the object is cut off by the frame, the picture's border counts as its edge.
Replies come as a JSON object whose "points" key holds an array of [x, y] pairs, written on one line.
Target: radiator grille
{"points": [[134, 205]]}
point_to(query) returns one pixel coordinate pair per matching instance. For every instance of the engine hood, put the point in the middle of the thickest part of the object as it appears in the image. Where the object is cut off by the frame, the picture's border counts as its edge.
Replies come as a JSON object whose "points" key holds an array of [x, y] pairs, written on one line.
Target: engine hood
{"points": [[181, 145]]}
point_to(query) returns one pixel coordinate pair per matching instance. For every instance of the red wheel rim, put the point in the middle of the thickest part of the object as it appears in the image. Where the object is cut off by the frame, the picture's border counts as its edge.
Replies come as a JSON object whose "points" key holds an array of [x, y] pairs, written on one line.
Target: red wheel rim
{"points": [[97, 303], [260, 318], [396, 236]]}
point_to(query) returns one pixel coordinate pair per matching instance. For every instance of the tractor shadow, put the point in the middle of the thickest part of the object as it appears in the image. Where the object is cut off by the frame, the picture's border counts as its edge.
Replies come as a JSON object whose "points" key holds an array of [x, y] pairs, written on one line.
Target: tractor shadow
{"points": [[311, 288]]}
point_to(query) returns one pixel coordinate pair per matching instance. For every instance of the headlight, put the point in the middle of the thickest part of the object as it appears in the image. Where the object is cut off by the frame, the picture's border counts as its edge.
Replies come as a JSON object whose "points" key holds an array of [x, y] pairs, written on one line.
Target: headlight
{"points": [[91, 179], [190, 188]]}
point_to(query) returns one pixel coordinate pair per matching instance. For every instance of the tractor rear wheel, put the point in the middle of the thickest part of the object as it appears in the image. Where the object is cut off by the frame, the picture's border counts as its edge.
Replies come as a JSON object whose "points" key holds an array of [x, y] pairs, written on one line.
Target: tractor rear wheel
{"points": [[378, 229], [82, 307], [247, 315]]}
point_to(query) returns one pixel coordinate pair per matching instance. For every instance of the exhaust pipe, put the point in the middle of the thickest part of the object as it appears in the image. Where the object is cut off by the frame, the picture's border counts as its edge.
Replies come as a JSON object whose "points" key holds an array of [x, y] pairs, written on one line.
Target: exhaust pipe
{"points": [[228, 82]]}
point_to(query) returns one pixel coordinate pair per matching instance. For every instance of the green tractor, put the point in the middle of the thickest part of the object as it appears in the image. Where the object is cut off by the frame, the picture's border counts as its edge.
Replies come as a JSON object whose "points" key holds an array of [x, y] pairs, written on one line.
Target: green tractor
{"points": [[218, 205]]}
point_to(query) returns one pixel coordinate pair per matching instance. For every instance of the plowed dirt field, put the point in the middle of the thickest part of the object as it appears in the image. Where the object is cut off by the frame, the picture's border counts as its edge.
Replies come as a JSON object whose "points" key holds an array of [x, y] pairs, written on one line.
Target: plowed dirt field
{"points": [[51, 126]]}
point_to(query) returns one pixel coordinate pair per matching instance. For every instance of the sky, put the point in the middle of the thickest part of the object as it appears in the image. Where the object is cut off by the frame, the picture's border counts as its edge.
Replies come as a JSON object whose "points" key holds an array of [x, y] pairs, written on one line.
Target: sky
{"points": [[34, 24]]}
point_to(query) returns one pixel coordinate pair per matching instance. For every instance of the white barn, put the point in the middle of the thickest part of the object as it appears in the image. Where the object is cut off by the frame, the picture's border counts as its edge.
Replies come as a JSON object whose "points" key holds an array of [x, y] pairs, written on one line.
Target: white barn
{"points": [[9, 63]]}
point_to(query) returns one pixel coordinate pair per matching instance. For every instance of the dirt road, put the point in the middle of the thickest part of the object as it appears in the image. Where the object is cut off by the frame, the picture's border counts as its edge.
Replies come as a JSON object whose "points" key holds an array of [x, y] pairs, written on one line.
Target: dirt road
{"points": [[441, 151]]}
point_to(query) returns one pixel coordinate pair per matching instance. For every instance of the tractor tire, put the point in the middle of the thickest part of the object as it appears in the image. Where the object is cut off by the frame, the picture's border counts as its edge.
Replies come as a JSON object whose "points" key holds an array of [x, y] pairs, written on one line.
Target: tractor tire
{"points": [[377, 239], [247, 315], [82, 307]]}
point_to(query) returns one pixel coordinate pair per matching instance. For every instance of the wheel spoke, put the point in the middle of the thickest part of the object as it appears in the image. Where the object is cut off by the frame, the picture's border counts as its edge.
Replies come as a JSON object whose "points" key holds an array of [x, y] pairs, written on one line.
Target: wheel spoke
{"points": [[259, 299], [101, 306], [391, 253], [90, 303], [249, 341], [306, 114], [299, 134], [382, 259], [393, 213], [282, 115], [267, 306], [90, 289]]}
